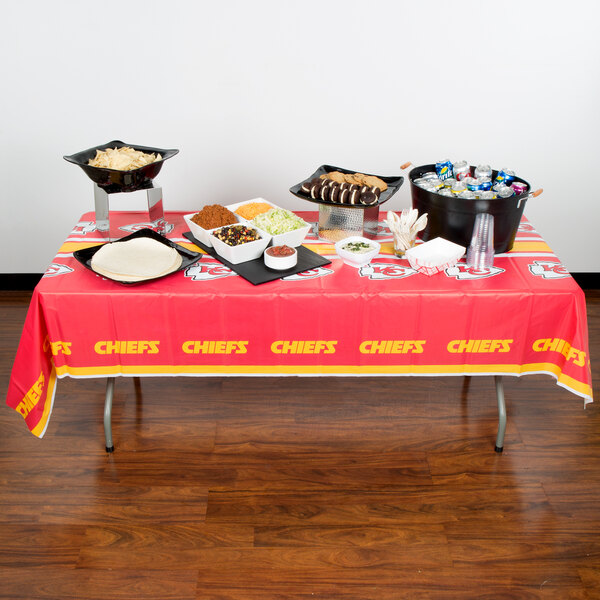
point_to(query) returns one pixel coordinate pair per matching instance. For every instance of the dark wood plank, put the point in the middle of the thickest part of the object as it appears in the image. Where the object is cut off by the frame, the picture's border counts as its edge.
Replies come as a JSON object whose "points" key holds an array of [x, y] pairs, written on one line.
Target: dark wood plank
{"points": [[27, 583], [416, 504]]}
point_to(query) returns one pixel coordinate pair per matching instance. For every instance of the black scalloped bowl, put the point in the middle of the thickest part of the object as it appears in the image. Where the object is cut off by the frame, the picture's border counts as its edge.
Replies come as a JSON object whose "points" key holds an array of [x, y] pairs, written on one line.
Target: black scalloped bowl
{"points": [[113, 181]]}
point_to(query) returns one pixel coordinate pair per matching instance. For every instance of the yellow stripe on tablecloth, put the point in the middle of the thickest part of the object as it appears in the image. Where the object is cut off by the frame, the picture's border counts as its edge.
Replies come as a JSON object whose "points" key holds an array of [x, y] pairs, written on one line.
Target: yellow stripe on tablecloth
{"points": [[540, 246], [69, 247], [570, 383], [327, 249], [39, 429]]}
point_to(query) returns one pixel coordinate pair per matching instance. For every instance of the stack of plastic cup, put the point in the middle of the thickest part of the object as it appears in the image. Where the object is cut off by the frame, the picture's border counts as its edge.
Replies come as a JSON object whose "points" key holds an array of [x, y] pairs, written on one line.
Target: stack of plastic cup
{"points": [[480, 254]]}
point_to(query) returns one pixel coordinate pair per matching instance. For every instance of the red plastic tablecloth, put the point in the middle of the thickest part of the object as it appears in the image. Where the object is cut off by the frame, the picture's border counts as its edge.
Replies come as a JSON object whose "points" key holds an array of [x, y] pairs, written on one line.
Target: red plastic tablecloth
{"points": [[525, 315]]}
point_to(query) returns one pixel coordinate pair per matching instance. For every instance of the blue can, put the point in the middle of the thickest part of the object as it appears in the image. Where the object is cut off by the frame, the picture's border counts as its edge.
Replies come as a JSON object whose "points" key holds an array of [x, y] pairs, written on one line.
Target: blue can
{"points": [[505, 176], [486, 183], [443, 169], [473, 184]]}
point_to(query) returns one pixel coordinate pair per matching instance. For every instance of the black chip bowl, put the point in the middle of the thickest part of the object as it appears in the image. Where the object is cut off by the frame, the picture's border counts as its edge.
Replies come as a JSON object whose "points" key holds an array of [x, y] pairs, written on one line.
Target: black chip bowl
{"points": [[113, 181], [453, 218]]}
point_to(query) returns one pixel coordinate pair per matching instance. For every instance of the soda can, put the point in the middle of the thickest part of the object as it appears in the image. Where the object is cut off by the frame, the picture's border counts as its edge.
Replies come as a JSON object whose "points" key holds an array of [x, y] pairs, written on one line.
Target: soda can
{"points": [[498, 187], [443, 168], [445, 192], [505, 176], [459, 187], [436, 184], [421, 182], [461, 170], [473, 184], [487, 195], [449, 182], [426, 185], [519, 187], [505, 192], [468, 195], [486, 183], [483, 171]]}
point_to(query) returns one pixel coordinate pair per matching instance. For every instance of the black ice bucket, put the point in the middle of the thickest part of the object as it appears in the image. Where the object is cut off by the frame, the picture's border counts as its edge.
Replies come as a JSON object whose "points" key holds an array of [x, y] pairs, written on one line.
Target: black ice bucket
{"points": [[453, 218]]}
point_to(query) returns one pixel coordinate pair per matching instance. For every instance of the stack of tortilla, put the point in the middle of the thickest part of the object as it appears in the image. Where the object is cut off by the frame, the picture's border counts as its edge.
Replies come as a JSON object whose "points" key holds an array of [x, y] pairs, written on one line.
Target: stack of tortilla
{"points": [[135, 260]]}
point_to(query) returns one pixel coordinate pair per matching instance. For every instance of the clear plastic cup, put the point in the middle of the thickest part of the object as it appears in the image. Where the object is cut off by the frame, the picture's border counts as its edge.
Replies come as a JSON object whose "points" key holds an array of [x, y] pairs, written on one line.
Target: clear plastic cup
{"points": [[480, 254]]}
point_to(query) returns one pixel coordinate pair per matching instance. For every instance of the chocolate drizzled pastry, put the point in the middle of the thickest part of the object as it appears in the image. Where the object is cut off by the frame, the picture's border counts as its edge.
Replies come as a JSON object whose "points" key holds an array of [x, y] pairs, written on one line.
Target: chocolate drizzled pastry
{"points": [[345, 188], [315, 190], [368, 198], [342, 193]]}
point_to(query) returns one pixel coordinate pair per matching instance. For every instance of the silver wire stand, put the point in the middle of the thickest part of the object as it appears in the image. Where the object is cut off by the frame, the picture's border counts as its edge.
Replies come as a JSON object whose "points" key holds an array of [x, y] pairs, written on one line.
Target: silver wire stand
{"points": [[339, 222], [111, 233]]}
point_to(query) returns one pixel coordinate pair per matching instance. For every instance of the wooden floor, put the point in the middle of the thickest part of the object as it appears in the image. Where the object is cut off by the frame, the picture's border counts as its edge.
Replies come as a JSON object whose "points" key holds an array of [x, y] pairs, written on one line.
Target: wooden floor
{"points": [[301, 488]]}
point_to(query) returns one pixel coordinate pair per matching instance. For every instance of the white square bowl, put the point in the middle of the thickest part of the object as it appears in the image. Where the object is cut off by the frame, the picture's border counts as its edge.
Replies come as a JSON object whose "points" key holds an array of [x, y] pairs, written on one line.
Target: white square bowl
{"points": [[201, 234], [243, 252], [290, 238], [234, 207], [352, 258], [434, 256]]}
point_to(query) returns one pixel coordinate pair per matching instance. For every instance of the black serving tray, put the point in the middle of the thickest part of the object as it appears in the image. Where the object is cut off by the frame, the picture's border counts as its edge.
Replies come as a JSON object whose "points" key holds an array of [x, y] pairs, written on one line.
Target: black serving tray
{"points": [[393, 183], [188, 257], [113, 181], [255, 270]]}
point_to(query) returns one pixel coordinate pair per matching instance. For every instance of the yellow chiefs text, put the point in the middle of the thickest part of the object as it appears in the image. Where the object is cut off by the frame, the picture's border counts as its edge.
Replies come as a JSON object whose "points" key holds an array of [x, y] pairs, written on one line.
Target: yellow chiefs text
{"points": [[57, 347], [561, 346], [392, 346], [303, 347], [479, 346], [126, 347], [32, 397], [215, 347]]}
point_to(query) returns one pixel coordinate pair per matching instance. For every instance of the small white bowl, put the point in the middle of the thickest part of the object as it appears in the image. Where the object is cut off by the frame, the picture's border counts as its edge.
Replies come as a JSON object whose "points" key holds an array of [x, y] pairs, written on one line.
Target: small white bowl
{"points": [[280, 263], [243, 252], [356, 259], [201, 234]]}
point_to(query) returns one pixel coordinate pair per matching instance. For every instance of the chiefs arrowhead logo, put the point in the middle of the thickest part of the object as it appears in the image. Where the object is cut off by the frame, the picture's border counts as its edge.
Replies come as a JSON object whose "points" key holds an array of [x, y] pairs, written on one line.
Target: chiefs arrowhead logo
{"points": [[527, 227], [461, 271], [57, 269], [206, 271], [155, 225], [382, 270], [548, 269], [84, 227], [308, 274]]}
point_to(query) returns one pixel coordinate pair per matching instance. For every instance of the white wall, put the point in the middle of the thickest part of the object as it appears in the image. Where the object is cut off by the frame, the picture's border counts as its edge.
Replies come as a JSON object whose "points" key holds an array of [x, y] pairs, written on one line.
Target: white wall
{"points": [[258, 94]]}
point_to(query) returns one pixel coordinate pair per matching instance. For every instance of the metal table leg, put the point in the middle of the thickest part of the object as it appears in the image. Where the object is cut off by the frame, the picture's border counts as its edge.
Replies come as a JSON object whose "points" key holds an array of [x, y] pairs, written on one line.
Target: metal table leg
{"points": [[501, 414], [110, 388]]}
